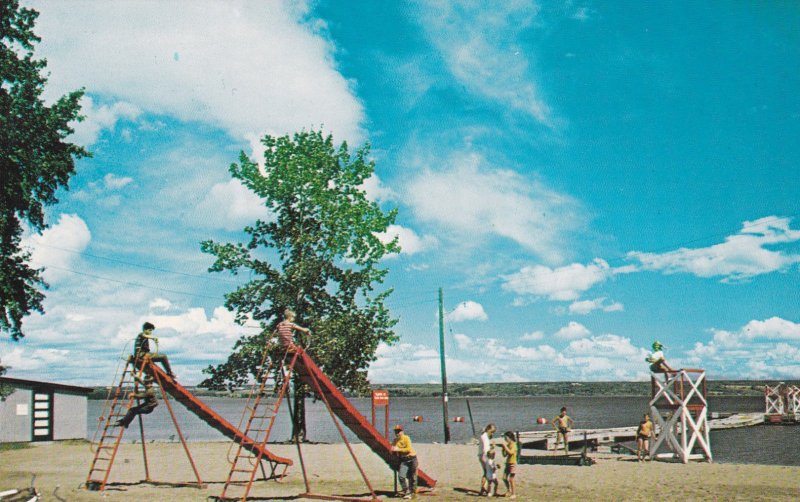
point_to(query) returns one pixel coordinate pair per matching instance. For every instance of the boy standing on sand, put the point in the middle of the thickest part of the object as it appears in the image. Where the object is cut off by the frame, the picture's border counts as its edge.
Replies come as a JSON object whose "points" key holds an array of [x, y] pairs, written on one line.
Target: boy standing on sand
{"points": [[563, 425], [510, 453], [407, 472], [643, 435]]}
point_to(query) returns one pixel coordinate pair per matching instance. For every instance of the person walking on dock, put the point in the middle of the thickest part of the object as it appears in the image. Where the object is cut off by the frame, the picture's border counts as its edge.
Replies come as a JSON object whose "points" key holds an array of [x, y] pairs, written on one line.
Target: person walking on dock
{"points": [[407, 471], [285, 331], [563, 425], [141, 347], [484, 447], [510, 470], [643, 435]]}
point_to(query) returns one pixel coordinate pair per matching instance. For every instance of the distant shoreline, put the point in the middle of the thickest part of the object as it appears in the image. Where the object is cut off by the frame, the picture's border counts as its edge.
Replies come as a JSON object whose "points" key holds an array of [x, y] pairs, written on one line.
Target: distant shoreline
{"points": [[720, 388]]}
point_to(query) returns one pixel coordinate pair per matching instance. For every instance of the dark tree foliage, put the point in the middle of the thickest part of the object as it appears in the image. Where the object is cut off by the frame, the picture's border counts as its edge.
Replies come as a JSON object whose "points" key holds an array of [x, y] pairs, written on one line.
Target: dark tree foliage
{"points": [[319, 256], [35, 160]]}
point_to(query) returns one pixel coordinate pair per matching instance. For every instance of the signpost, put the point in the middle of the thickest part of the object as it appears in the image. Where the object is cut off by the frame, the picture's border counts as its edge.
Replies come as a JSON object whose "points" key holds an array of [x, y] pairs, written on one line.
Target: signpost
{"points": [[381, 398]]}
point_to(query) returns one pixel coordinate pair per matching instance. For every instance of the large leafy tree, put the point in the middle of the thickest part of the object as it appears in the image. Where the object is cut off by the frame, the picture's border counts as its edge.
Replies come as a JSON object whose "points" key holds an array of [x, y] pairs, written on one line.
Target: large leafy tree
{"points": [[35, 160], [318, 254]]}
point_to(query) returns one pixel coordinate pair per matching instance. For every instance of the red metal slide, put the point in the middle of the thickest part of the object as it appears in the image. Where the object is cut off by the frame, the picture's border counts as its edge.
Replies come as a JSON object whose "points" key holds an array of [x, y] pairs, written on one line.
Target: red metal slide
{"points": [[351, 417], [207, 415]]}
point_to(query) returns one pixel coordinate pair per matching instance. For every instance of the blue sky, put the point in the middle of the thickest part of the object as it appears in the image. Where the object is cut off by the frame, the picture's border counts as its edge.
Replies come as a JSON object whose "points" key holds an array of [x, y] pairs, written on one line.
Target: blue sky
{"points": [[580, 178]]}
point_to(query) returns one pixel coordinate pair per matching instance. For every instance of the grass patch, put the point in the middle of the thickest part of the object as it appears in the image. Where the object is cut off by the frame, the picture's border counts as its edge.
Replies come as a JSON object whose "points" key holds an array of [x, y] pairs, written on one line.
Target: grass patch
{"points": [[14, 446]]}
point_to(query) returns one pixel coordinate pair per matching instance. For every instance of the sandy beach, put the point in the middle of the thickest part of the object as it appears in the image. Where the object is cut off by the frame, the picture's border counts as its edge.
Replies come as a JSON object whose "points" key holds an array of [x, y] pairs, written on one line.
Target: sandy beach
{"points": [[65, 465]]}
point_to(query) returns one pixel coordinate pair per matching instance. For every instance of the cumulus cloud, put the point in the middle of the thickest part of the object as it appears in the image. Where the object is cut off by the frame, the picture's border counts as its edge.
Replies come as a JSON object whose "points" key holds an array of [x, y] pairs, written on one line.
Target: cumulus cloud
{"points": [[410, 243], [112, 182], [467, 311], [229, 206], [759, 349], [480, 45], [247, 67], [100, 117], [533, 336], [753, 251], [468, 196], [160, 304], [584, 307], [562, 283], [57, 247], [604, 357], [572, 331]]}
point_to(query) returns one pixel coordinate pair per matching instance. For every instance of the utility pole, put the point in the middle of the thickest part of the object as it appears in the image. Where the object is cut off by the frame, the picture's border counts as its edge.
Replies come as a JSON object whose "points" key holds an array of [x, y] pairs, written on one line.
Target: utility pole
{"points": [[445, 418]]}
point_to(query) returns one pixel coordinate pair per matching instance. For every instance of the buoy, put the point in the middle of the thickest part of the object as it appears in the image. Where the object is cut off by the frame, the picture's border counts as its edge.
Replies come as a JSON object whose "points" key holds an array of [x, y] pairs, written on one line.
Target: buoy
{"points": [[458, 419], [541, 420], [417, 418]]}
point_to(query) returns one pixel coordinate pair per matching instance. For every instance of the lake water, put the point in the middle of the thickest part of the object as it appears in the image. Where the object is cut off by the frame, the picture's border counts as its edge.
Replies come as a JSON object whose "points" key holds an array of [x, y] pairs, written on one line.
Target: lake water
{"points": [[759, 444]]}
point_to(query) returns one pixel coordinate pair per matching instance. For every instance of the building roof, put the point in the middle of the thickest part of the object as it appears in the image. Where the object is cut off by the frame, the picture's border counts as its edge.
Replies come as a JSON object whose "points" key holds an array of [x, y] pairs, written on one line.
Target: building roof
{"points": [[18, 382]]}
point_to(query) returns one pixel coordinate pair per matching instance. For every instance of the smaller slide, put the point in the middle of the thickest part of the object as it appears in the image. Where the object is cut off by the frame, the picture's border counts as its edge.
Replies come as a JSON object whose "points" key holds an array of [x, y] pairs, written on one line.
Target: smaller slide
{"points": [[207, 415]]}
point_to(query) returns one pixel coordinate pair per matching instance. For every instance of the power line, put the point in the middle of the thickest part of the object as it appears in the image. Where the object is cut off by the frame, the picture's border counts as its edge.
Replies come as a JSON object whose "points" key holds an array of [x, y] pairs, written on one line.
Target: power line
{"points": [[134, 284], [148, 267]]}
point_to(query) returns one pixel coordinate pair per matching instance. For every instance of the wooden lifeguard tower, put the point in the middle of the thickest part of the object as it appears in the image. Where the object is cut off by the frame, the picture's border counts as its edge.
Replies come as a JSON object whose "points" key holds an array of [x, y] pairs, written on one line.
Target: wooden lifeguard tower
{"points": [[679, 410], [782, 404]]}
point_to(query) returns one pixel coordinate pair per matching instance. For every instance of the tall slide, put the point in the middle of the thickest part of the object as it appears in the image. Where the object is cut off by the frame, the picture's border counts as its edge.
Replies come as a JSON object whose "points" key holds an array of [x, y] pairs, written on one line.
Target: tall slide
{"points": [[311, 374], [207, 415]]}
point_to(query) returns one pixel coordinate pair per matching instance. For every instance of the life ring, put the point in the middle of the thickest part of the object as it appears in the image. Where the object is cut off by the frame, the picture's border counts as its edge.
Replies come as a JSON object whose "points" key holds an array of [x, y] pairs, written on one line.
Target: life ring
{"points": [[417, 418]]}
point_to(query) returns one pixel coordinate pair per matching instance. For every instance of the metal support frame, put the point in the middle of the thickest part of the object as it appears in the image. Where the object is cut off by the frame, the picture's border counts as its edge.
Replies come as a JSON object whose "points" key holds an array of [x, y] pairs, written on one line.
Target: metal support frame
{"points": [[680, 412], [111, 437]]}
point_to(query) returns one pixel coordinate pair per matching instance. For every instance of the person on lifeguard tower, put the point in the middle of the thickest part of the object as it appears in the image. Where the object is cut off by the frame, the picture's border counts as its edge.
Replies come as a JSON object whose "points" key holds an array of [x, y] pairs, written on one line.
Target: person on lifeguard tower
{"points": [[142, 346], [285, 331], [656, 359]]}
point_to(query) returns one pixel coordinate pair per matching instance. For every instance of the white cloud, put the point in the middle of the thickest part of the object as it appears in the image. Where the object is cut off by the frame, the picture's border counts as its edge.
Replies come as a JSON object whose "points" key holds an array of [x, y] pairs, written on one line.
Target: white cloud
{"points": [[160, 304], [376, 190], [98, 118], [112, 182], [229, 206], [563, 283], [605, 357], [759, 349], [479, 44], [472, 199], [248, 67], [534, 336], [467, 311], [57, 247], [584, 307], [749, 253], [410, 242], [572, 331]]}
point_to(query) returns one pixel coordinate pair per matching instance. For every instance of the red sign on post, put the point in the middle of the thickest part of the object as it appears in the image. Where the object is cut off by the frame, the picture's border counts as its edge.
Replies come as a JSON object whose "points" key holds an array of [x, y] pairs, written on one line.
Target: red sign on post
{"points": [[381, 398]]}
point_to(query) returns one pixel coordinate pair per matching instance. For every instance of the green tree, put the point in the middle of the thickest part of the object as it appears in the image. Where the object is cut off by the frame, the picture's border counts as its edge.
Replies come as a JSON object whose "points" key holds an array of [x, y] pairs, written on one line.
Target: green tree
{"points": [[35, 160], [318, 254]]}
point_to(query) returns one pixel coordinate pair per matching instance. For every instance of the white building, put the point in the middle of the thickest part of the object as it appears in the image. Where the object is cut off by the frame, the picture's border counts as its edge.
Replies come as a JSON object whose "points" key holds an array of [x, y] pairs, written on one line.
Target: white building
{"points": [[42, 411]]}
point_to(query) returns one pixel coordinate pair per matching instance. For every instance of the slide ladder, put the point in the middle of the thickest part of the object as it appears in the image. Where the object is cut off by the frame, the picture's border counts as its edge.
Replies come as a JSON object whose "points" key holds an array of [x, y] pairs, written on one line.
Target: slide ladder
{"points": [[111, 437], [311, 374], [262, 406]]}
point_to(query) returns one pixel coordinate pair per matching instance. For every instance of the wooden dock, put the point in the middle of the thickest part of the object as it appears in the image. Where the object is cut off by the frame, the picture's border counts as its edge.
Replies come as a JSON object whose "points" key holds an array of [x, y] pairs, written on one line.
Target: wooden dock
{"points": [[545, 440]]}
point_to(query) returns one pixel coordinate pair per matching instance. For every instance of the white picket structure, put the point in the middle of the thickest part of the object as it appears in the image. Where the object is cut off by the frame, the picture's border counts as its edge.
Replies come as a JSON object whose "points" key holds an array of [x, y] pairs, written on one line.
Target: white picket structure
{"points": [[679, 409], [773, 397]]}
